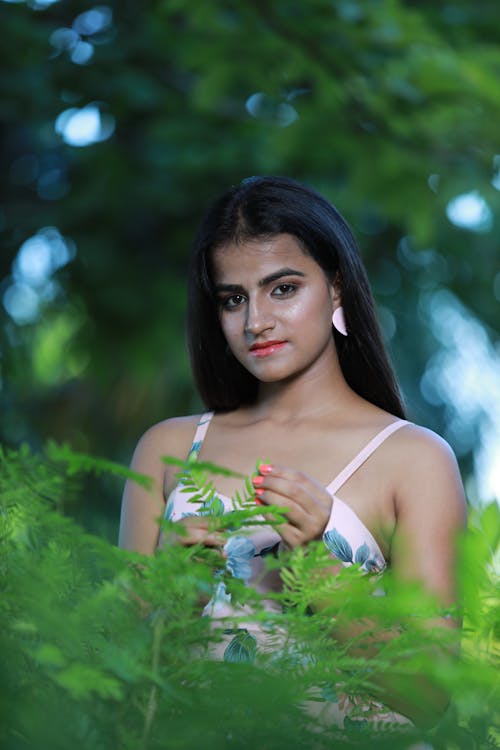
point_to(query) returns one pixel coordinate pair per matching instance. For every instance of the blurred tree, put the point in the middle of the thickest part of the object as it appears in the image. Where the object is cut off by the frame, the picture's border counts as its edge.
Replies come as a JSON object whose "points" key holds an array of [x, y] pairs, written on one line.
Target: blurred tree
{"points": [[122, 122]]}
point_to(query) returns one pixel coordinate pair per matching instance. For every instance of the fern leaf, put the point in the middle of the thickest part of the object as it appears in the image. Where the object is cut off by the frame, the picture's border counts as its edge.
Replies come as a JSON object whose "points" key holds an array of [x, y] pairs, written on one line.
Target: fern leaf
{"points": [[77, 462], [207, 466]]}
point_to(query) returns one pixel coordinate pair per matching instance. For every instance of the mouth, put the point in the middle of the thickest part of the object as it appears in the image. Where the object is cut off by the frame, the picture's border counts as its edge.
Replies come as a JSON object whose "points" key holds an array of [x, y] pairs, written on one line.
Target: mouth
{"points": [[266, 348]]}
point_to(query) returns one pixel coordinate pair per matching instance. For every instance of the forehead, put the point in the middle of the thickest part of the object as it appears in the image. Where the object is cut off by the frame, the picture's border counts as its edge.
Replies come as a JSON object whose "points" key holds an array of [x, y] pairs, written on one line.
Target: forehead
{"points": [[259, 257]]}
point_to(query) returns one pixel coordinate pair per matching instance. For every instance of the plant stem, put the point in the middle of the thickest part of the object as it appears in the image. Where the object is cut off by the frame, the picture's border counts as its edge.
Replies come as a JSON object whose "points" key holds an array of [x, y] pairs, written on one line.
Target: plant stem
{"points": [[153, 696]]}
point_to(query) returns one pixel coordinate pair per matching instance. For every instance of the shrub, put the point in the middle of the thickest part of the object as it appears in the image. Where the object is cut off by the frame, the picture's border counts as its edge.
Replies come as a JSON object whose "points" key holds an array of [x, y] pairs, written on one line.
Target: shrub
{"points": [[104, 648]]}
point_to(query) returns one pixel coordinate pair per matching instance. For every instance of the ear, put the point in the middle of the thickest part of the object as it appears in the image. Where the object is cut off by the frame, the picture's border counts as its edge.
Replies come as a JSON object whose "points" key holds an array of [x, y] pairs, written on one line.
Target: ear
{"points": [[336, 292]]}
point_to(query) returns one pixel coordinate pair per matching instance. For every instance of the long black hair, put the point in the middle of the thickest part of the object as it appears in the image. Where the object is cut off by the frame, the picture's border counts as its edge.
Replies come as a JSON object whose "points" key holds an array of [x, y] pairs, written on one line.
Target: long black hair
{"points": [[263, 207]]}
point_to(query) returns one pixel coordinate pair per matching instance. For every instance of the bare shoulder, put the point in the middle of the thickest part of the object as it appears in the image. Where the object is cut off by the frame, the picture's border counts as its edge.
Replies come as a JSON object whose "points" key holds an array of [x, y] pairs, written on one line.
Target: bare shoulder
{"points": [[426, 467], [418, 448], [141, 507], [172, 437]]}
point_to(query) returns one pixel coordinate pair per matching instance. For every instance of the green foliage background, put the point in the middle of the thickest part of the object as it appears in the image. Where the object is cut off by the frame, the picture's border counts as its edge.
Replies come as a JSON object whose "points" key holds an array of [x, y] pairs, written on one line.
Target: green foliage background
{"points": [[390, 108], [396, 108]]}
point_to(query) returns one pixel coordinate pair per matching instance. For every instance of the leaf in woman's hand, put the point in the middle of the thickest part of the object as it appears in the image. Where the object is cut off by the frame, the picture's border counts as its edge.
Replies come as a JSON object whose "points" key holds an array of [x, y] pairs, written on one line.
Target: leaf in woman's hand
{"points": [[201, 466]]}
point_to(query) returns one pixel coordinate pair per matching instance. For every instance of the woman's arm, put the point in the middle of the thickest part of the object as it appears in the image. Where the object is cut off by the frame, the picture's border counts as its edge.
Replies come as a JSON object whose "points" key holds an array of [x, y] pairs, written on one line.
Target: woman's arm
{"points": [[142, 508], [430, 512]]}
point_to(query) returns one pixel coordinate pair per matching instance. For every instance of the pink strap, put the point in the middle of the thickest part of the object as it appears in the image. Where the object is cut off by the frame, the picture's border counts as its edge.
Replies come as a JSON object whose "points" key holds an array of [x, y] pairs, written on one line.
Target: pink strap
{"points": [[201, 430], [362, 456]]}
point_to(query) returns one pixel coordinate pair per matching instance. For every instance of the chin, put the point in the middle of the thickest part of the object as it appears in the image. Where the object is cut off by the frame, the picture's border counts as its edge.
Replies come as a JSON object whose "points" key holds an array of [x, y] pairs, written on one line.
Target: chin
{"points": [[276, 376], [268, 377]]}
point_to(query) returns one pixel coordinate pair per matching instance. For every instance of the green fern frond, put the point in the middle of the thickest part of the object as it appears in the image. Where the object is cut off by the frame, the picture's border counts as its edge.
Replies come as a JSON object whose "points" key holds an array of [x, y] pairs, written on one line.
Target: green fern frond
{"points": [[206, 466], [77, 462], [93, 637]]}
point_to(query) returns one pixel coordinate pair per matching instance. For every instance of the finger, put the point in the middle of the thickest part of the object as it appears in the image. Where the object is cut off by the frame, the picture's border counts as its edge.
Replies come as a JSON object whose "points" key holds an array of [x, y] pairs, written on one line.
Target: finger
{"points": [[291, 535], [198, 532], [305, 512], [299, 527], [301, 497], [196, 521], [297, 485], [295, 513], [207, 540]]}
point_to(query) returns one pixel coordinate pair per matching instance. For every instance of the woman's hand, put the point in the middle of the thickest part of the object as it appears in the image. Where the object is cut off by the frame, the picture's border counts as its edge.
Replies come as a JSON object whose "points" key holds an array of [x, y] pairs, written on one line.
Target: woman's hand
{"points": [[199, 530], [307, 502]]}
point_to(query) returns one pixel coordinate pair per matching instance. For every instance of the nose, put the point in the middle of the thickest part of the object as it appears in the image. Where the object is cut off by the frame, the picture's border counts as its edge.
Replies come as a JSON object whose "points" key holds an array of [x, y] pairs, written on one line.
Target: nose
{"points": [[258, 319]]}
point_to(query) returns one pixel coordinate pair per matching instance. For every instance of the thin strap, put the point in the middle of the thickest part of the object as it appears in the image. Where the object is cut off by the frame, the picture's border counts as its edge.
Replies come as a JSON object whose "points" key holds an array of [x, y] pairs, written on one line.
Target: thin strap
{"points": [[199, 435], [364, 453]]}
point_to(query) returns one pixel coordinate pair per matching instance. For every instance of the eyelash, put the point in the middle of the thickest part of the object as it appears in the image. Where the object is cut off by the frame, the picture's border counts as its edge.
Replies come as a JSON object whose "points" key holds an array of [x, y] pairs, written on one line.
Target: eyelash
{"points": [[290, 289], [225, 301]]}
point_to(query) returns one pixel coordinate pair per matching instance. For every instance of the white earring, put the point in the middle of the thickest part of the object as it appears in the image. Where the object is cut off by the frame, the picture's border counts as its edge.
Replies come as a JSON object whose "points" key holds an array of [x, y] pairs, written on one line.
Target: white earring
{"points": [[338, 320]]}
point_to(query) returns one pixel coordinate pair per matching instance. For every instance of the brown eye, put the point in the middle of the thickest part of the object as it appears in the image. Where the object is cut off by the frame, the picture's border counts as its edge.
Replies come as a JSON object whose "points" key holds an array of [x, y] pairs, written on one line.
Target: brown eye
{"points": [[284, 290], [230, 303]]}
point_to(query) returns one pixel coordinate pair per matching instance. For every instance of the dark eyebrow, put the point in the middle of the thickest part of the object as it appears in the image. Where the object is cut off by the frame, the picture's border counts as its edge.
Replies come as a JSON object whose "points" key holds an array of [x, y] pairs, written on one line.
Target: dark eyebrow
{"points": [[263, 282]]}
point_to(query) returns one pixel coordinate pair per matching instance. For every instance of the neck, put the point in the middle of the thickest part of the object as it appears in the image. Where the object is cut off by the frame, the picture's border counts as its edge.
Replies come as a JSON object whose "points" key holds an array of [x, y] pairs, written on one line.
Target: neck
{"points": [[320, 390]]}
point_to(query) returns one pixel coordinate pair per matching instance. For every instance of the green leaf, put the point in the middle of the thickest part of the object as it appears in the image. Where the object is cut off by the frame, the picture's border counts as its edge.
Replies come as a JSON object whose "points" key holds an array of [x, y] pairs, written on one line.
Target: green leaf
{"points": [[82, 681], [49, 655], [490, 525], [81, 462], [207, 466]]}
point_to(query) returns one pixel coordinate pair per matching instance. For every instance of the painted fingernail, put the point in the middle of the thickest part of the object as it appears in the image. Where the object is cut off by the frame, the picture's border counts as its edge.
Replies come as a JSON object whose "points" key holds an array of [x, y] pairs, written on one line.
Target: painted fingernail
{"points": [[258, 480], [265, 468], [259, 491], [258, 502]]}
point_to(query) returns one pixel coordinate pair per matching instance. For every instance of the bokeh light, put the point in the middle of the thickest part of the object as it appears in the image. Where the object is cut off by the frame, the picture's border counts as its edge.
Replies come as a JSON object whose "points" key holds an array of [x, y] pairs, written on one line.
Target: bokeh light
{"points": [[54, 357], [75, 40], [93, 21], [35, 4], [496, 172], [38, 258], [464, 376], [85, 126], [470, 211], [264, 107], [22, 303], [46, 173]]}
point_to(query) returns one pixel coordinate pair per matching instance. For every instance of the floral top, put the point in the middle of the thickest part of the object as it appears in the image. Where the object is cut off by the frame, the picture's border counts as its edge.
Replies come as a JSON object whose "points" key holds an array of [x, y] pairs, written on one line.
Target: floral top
{"points": [[345, 536]]}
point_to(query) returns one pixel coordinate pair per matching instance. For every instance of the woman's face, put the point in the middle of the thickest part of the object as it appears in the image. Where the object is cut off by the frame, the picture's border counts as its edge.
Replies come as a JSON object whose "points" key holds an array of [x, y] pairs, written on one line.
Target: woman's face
{"points": [[275, 306]]}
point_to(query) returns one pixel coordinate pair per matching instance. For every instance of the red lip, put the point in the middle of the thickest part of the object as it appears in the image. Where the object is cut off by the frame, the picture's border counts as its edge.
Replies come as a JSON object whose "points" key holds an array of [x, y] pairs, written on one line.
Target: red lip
{"points": [[265, 345], [266, 348]]}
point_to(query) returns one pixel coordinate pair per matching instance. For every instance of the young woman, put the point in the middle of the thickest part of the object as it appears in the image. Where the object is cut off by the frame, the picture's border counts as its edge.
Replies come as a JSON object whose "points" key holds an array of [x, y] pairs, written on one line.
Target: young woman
{"points": [[288, 357]]}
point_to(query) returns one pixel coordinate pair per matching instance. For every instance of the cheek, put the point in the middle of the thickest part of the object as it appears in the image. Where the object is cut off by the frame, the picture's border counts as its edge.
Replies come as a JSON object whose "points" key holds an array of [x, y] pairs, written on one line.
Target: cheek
{"points": [[310, 310], [229, 325]]}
